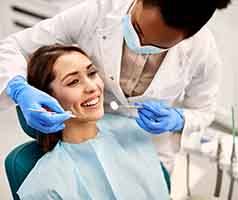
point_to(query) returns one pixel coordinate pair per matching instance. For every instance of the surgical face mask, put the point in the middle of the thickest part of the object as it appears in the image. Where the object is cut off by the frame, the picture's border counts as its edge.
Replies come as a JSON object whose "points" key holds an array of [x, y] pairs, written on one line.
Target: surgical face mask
{"points": [[133, 41]]}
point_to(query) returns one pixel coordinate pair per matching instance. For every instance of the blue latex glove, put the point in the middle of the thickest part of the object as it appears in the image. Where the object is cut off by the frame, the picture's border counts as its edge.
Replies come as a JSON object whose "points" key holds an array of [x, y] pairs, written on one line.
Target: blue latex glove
{"points": [[157, 117], [28, 97]]}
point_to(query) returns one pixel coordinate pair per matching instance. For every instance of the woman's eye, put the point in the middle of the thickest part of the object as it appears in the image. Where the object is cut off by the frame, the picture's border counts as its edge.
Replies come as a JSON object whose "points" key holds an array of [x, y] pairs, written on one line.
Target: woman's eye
{"points": [[92, 73], [75, 81]]}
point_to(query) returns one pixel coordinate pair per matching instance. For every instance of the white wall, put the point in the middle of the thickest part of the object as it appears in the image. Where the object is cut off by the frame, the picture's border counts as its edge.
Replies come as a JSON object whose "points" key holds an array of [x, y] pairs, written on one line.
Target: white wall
{"points": [[224, 25], [5, 26]]}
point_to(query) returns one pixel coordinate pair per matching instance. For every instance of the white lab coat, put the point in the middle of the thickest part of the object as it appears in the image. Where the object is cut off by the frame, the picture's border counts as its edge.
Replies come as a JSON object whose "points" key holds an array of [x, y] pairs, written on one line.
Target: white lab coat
{"points": [[188, 76]]}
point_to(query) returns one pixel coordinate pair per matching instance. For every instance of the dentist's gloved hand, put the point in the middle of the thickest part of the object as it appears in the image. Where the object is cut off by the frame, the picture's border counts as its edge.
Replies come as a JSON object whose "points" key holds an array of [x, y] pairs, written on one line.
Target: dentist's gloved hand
{"points": [[28, 97], [157, 117]]}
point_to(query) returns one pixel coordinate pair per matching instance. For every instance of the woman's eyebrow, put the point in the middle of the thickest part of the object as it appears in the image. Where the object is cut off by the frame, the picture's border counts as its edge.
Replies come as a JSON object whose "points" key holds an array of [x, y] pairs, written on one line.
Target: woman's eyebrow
{"points": [[69, 74], [76, 72]]}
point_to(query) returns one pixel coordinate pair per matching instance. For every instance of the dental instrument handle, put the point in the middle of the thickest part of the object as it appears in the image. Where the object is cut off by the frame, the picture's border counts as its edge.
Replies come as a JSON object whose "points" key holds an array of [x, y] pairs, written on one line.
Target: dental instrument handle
{"points": [[219, 171], [35, 110], [131, 106], [231, 187], [233, 156], [115, 106], [188, 175], [233, 160]]}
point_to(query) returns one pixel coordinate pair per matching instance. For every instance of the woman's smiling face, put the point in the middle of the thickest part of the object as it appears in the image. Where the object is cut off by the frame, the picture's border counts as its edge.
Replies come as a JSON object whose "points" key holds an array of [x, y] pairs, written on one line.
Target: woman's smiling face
{"points": [[78, 87]]}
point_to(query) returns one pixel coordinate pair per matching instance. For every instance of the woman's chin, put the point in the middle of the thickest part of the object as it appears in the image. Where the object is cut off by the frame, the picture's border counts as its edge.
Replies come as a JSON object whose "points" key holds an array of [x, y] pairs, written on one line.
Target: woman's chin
{"points": [[89, 116], [95, 116]]}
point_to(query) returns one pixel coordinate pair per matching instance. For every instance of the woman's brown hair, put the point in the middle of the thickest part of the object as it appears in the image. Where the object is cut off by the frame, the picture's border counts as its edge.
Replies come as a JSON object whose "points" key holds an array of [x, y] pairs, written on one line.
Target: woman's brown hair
{"points": [[40, 74]]}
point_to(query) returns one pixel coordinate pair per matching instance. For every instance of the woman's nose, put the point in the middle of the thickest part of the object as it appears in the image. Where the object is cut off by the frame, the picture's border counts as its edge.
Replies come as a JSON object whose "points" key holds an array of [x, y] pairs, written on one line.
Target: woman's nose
{"points": [[90, 86]]}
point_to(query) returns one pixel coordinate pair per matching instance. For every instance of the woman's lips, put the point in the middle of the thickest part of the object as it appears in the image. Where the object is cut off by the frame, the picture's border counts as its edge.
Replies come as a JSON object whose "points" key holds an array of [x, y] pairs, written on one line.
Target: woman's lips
{"points": [[92, 102]]}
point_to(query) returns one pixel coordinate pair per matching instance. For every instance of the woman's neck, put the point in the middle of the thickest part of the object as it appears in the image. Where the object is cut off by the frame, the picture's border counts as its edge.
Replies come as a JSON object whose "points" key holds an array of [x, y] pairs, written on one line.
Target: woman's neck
{"points": [[77, 132]]}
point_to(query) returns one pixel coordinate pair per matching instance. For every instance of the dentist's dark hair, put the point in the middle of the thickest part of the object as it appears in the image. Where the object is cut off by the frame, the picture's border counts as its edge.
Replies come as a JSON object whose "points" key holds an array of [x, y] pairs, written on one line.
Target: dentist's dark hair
{"points": [[40, 74], [187, 15]]}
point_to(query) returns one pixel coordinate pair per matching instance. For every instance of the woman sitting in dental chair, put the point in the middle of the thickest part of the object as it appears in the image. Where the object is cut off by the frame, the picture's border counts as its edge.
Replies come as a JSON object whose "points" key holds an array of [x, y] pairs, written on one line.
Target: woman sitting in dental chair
{"points": [[87, 160]]}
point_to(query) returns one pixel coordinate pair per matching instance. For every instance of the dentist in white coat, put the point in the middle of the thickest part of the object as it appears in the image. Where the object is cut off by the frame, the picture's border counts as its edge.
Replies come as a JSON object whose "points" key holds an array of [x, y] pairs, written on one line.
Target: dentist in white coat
{"points": [[154, 52]]}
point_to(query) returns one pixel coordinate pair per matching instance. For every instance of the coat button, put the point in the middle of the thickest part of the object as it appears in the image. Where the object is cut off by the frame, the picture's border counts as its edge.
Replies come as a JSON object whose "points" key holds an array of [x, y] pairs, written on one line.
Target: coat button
{"points": [[112, 78], [104, 37]]}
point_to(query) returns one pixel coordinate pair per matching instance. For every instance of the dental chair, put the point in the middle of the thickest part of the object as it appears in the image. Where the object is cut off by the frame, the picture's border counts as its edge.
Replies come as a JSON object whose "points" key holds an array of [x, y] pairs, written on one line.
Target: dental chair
{"points": [[23, 158]]}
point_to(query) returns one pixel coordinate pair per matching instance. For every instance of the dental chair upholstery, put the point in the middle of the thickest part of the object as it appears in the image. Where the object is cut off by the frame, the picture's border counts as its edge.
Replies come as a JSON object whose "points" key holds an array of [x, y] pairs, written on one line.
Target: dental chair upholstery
{"points": [[23, 158]]}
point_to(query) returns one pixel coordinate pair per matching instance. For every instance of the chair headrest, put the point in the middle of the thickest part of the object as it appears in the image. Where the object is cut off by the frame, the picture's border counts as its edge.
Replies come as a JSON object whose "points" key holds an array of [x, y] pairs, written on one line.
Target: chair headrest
{"points": [[27, 129]]}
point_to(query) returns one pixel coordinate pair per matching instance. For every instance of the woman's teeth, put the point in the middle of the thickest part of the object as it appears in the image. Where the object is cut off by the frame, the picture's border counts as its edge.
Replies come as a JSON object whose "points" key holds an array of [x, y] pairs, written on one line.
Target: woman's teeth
{"points": [[91, 103]]}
